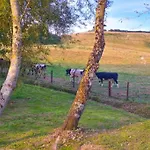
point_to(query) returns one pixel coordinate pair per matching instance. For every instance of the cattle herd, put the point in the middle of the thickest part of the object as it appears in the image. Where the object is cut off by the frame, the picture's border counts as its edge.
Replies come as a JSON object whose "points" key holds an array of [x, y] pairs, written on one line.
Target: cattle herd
{"points": [[77, 73], [39, 70], [27, 68], [36, 70]]}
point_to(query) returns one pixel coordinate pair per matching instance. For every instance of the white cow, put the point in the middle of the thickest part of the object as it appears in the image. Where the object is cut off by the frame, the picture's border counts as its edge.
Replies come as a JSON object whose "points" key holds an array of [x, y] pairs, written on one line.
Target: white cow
{"points": [[75, 73], [39, 70]]}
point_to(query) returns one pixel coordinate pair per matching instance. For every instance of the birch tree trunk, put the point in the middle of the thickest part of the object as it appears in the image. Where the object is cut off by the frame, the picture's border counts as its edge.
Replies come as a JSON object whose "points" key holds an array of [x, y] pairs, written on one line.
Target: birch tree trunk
{"points": [[13, 73], [78, 105]]}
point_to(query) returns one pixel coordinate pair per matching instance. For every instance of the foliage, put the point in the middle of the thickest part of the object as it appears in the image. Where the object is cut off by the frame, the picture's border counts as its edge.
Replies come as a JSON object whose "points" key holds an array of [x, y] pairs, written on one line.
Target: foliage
{"points": [[47, 13], [38, 19], [42, 21], [5, 28], [54, 13], [5, 23]]}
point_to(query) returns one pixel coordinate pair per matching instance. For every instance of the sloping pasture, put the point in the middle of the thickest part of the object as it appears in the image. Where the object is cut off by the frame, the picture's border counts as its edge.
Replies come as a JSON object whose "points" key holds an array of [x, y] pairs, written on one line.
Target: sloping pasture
{"points": [[125, 53], [34, 112], [121, 49], [138, 99]]}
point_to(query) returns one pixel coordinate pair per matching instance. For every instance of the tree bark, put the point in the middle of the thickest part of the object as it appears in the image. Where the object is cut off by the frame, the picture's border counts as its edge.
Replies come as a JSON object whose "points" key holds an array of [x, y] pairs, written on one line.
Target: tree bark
{"points": [[13, 72], [78, 105]]}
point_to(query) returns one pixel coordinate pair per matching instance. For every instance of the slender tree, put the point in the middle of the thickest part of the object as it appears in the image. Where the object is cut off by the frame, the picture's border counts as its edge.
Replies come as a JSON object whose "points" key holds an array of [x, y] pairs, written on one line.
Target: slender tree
{"points": [[80, 100], [12, 76]]}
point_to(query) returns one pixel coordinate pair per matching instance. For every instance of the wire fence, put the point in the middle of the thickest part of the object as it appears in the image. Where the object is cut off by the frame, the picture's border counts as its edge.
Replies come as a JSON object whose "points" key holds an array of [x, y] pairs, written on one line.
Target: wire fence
{"points": [[128, 90], [137, 88]]}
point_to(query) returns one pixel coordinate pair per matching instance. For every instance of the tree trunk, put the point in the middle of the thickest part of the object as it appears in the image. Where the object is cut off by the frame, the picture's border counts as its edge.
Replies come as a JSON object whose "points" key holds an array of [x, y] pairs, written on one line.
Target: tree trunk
{"points": [[78, 105], [13, 73]]}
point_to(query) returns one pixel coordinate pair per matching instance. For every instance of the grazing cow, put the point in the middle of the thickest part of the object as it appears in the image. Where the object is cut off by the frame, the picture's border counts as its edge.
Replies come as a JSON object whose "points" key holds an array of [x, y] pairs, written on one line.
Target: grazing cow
{"points": [[107, 76], [75, 73], [38, 70]]}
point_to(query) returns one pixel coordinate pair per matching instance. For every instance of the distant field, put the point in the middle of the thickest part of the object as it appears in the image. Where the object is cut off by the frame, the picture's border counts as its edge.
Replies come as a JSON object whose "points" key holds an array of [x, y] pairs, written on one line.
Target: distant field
{"points": [[126, 52]]}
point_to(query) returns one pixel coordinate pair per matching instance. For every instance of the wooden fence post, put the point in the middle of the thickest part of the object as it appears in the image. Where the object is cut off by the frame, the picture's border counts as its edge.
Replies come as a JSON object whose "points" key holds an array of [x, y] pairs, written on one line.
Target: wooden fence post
{"points": [[51, 76], [73, 82], [109, 88], [127, 91]]}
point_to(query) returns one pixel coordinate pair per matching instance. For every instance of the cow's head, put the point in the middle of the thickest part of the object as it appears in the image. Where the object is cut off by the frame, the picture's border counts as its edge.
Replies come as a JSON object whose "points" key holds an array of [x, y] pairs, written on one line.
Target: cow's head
{"points": [[82, 72], [68, 71]]}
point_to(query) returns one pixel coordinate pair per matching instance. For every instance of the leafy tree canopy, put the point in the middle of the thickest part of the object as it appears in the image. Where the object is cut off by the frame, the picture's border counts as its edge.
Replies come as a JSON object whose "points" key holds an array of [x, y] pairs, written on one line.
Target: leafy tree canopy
{"points": [[40, 19]]}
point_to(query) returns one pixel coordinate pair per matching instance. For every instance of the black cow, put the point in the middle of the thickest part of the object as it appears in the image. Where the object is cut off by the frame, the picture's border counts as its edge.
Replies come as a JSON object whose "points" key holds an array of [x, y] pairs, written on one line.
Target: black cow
{"points": [[107, 76]]}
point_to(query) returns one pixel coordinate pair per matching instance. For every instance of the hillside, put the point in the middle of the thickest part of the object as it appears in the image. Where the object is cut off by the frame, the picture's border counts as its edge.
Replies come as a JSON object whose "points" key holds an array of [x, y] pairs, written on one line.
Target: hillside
{"points": [[121, 49]]}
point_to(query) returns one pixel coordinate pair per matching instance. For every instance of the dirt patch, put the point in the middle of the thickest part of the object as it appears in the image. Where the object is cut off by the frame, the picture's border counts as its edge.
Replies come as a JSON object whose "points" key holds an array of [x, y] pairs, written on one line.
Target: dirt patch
{"points": [[78, 139], [91, 147], [140, 109], [132, 107]]}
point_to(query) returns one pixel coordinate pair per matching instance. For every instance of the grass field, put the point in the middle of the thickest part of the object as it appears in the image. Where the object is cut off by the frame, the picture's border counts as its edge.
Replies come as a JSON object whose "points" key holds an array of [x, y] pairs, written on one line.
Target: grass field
{"points": [[125, 53], [121, 51], [34, 112]]}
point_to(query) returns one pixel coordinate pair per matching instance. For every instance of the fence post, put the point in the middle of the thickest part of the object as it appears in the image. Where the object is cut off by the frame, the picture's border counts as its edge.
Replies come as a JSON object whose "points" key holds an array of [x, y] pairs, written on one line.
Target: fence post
{"points": [[73, 82], [51, 76], [109, 88], [127, 91]]}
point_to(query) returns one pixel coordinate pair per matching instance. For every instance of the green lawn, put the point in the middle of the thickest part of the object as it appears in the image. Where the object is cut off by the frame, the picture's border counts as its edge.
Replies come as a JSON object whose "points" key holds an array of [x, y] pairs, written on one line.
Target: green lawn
{"points": [[132, 137], [58, 70], [34, 112]]}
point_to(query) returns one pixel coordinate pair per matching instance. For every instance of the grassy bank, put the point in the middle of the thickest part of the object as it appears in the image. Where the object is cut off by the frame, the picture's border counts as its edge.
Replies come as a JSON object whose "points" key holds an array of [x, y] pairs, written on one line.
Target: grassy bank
{"points": [[128, 137], [34, 112]]}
